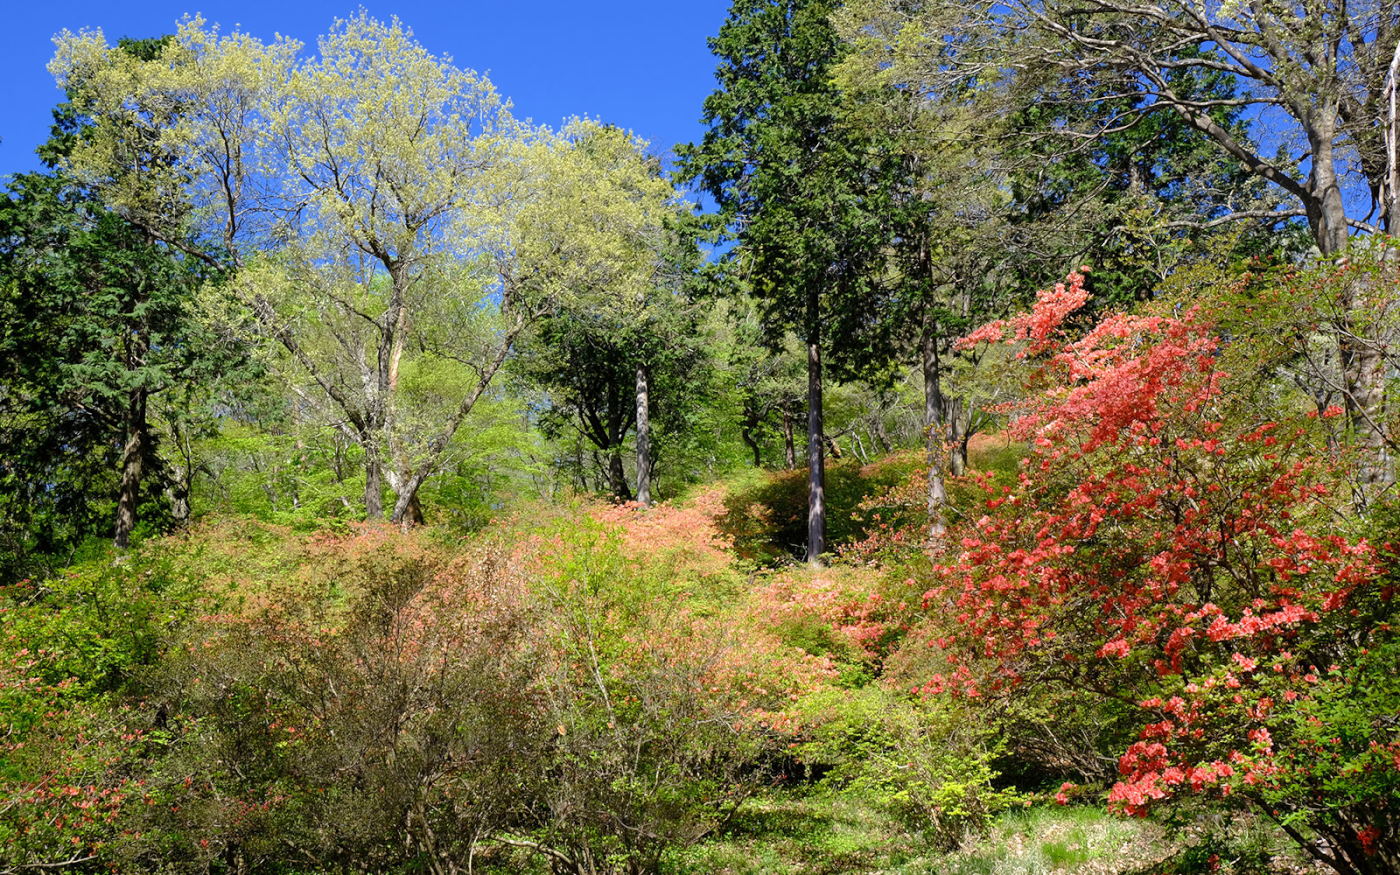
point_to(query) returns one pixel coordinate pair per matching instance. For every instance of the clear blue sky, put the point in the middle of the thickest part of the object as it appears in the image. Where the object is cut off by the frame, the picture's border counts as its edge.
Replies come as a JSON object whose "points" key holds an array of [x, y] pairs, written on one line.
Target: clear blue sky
{"points": [[636, 64]]}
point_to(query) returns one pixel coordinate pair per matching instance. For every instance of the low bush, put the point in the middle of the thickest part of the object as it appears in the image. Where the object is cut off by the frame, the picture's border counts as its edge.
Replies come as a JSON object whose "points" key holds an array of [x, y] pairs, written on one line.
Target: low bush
{"points": [[924, 761], [368, 700]]}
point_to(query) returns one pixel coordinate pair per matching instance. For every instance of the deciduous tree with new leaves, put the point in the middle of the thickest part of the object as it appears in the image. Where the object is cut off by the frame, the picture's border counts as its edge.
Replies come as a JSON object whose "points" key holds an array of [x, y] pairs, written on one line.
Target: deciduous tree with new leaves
{"points": [[371, 197]]}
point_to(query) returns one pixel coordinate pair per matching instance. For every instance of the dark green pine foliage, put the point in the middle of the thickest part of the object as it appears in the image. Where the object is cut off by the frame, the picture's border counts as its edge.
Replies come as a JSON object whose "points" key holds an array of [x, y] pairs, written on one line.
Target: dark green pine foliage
{"points": [[798, 188], [98, 329]]}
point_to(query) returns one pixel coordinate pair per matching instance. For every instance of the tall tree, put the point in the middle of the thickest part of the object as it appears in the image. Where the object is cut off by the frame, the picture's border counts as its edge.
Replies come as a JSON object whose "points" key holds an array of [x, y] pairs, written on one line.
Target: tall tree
{"points": [[987, 200], [98, 318], [792, 180], [614, 342], [367, 191], [1318, 77]]}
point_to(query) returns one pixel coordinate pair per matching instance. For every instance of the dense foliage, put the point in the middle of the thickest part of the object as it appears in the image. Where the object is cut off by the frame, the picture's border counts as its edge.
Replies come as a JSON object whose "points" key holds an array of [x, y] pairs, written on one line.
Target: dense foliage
{"points": [[392, 484]]}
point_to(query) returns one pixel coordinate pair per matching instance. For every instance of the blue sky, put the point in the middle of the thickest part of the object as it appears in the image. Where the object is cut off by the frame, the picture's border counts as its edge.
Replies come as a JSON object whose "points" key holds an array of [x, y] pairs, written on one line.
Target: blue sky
{"points": [[639, 65]]}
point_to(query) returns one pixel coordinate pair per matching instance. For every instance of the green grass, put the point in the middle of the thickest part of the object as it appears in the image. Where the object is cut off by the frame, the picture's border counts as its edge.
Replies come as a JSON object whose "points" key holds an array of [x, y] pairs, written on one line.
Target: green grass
{"points": [[820, 834], [1041, 841], [838, 833]]}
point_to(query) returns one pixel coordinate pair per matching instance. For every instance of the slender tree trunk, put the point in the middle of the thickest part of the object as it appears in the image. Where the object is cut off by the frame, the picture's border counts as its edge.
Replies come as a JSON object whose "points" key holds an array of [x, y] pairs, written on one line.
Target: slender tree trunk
{"points": [[789, 445], [878, 433], [1390, 202], [643, 440], [748, 438], [935, 445], [959, 424], [181, 476], [133, 463], [816, 439]]}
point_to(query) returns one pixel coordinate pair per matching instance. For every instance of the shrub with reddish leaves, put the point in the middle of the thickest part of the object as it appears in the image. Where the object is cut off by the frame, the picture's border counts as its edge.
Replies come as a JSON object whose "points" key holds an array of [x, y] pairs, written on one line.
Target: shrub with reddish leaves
{"points": [[1169, 546]]}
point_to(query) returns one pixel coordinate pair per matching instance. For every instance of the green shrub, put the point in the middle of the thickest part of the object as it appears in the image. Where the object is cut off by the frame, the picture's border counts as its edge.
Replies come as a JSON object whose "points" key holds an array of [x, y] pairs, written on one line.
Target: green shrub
{"points": [[926, 762]]}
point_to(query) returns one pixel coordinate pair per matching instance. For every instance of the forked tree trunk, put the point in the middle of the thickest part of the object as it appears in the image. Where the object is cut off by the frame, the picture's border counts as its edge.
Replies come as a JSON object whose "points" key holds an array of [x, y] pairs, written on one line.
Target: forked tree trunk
{"points": [[816, 439], [133, 466], [643, 440], [408, 512], [747, 436]]}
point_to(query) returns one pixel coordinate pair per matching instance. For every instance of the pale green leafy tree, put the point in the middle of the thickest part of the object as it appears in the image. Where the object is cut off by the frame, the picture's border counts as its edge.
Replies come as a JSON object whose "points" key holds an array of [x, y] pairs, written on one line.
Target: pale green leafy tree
{"points": [[377, 199]]}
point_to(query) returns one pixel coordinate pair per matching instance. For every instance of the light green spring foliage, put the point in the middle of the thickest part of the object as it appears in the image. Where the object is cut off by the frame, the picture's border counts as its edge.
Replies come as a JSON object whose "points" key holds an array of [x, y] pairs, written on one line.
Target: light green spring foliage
{"points": [[200, 101], [595, 232], [394, 226], [372, 145], [383, 142]]}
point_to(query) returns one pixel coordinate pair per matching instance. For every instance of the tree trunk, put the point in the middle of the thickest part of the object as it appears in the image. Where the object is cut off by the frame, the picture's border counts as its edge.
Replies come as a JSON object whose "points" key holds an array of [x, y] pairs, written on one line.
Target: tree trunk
{"points": [[407, 510], [1363, 374], [1326, 209], [747, 435], [816, 462], [180, 501], [643, 440], [374, 484], [1390, 201], [789, 446], [878, 432], [1363, 365], [935, 445], [617, 475], [959, 424], [133, 462], [181, 480]]}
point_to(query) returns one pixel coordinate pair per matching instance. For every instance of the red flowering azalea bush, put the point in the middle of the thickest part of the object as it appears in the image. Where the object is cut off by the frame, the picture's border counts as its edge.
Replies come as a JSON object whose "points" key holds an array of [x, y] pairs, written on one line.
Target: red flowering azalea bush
{"points": [[1169, 546]]}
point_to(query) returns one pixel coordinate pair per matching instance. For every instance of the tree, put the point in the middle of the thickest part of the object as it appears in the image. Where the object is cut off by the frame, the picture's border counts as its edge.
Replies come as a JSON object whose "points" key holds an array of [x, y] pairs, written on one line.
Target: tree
{"points": [[1173, 546], [1320, 75], [620, 329], [771, 381], [363, 192], [986, 199], [100, 317], [794, 183]]}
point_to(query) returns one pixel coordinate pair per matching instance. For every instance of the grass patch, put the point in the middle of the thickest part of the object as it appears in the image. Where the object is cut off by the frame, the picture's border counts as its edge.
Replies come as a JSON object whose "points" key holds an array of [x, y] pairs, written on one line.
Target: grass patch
{"points": [[837, 833], [1045, 840]]}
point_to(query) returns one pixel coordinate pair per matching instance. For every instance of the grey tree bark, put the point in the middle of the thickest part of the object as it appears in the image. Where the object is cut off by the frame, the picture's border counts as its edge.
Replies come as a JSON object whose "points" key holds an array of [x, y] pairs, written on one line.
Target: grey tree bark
{"points": [[133, 466], [789, 444], [816, 460], [934, 431], [643, 439]]}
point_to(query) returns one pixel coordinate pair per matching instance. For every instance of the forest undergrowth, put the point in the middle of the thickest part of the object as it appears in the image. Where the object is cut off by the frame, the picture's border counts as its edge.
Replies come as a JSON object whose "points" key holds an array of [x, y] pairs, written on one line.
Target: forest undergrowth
{"points": [[587, 687]]}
